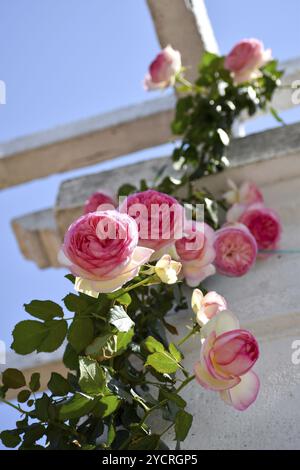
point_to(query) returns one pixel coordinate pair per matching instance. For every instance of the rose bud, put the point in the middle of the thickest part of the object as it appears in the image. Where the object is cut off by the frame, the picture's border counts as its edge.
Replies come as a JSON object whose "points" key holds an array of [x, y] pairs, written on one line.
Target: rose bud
{"points": [[236, 250], [207, 306], [99, 201], [160, 218], [167, 269], [100, 248], [163, 69], [264, 224], [196, 253], [245, 59], [227, 357], [247, 193]]}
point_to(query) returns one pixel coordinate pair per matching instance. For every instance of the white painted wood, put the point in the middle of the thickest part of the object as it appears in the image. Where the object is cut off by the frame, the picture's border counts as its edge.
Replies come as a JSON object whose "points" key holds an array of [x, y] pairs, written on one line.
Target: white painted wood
{"points": [[86, 142], [185, 25]]}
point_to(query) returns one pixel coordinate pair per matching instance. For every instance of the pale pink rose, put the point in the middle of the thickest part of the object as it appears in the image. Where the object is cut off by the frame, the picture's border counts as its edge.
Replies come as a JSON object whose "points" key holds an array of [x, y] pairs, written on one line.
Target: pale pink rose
{"points": [[196, 252], [245, 59], [264, 224], [160, 218], [99, 201], [207, 306], [227, 357], [247, 193], [236, 250], [101, 248], [163, 69]]}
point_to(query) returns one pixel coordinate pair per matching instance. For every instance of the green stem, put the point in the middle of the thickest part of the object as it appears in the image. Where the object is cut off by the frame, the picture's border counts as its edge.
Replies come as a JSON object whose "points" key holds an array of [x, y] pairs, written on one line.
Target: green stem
{"points": [[184, 81], [185, 383], [18, 408], [140, 283], [196, 329]]}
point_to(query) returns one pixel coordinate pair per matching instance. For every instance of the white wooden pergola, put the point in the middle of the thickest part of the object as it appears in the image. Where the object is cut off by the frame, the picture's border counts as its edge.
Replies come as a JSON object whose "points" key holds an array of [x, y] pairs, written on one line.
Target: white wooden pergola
{"points": [[267, 300]]}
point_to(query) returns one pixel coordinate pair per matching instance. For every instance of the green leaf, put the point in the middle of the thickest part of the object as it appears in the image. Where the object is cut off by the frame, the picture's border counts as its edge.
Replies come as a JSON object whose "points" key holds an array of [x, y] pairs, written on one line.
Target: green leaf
{"points": [[183, 422], [108, 404], [10, 439], [44, 309], [119, 318], [175, 353], [107, 346], [56, 333], [28, 335], [76, 303], [172, 396], [81, 333], [42, 407], [153, 345], [78, 406], [92, 376], [276, 115], [34, 383], [33, 433], [58, 385], [13, 378], [124, 299], [111, 434], [70, 358], [145, 443], [126, 189], [163, 362], [31, 335], [23, 396]]}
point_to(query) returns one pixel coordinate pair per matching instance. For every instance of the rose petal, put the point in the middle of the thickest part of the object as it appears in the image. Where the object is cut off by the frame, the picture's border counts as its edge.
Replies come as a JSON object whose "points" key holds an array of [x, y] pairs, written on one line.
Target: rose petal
{"points": [[243, 394]]}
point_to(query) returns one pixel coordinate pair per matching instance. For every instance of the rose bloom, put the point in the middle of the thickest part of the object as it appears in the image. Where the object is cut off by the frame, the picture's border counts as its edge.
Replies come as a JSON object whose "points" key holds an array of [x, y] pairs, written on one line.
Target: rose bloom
{"points": [[196, 252], [245, 59], [101, 249], [207, 306], [99, 200], [227, 357], [264, 224], [167, 269], [163, 69], [160, 217], [236, 250], [247, 193]]}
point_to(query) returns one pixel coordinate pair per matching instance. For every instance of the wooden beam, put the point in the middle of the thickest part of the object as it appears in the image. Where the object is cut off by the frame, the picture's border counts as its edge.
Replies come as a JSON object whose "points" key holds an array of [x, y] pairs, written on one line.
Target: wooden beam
{"points": [[103, 137], [185, 25], [86, 142]]}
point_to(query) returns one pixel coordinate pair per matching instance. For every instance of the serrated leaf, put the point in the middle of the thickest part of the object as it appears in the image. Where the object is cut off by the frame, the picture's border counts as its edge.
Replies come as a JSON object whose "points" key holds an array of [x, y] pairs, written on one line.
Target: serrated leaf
{"points": [[106, 346], [23, 396], [44, 309], [153, 345], [162, 362], [79, 405], [172, 396], [108, 404], [34, 383], [175, 353], [119, 318], [76, 303], [10, 439], [58, 385], [92, 378], [56, 333], [70, 358], [13, 378], [28, 335], [81, 333], [183, 422]]}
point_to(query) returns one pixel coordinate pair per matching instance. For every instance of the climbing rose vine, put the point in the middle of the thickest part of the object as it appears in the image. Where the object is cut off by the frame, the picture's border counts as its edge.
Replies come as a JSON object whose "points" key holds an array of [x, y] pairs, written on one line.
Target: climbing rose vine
{"points": [[132, 264]]}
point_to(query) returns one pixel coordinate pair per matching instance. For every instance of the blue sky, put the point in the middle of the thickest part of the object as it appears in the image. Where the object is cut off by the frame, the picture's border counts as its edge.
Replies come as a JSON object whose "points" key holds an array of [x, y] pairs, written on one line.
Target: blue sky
{"points": [[70, 59]]}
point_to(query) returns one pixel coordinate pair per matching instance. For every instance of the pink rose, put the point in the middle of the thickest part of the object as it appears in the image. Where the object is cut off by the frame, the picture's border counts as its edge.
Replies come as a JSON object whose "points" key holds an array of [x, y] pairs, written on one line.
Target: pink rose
{"points": [[159, 217], [99, 201], [264, 224], [207, 306], [236, 250], [245, 59], [196, 252], [163, 69], [247, 193], [101, 248], [227, 357]]}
